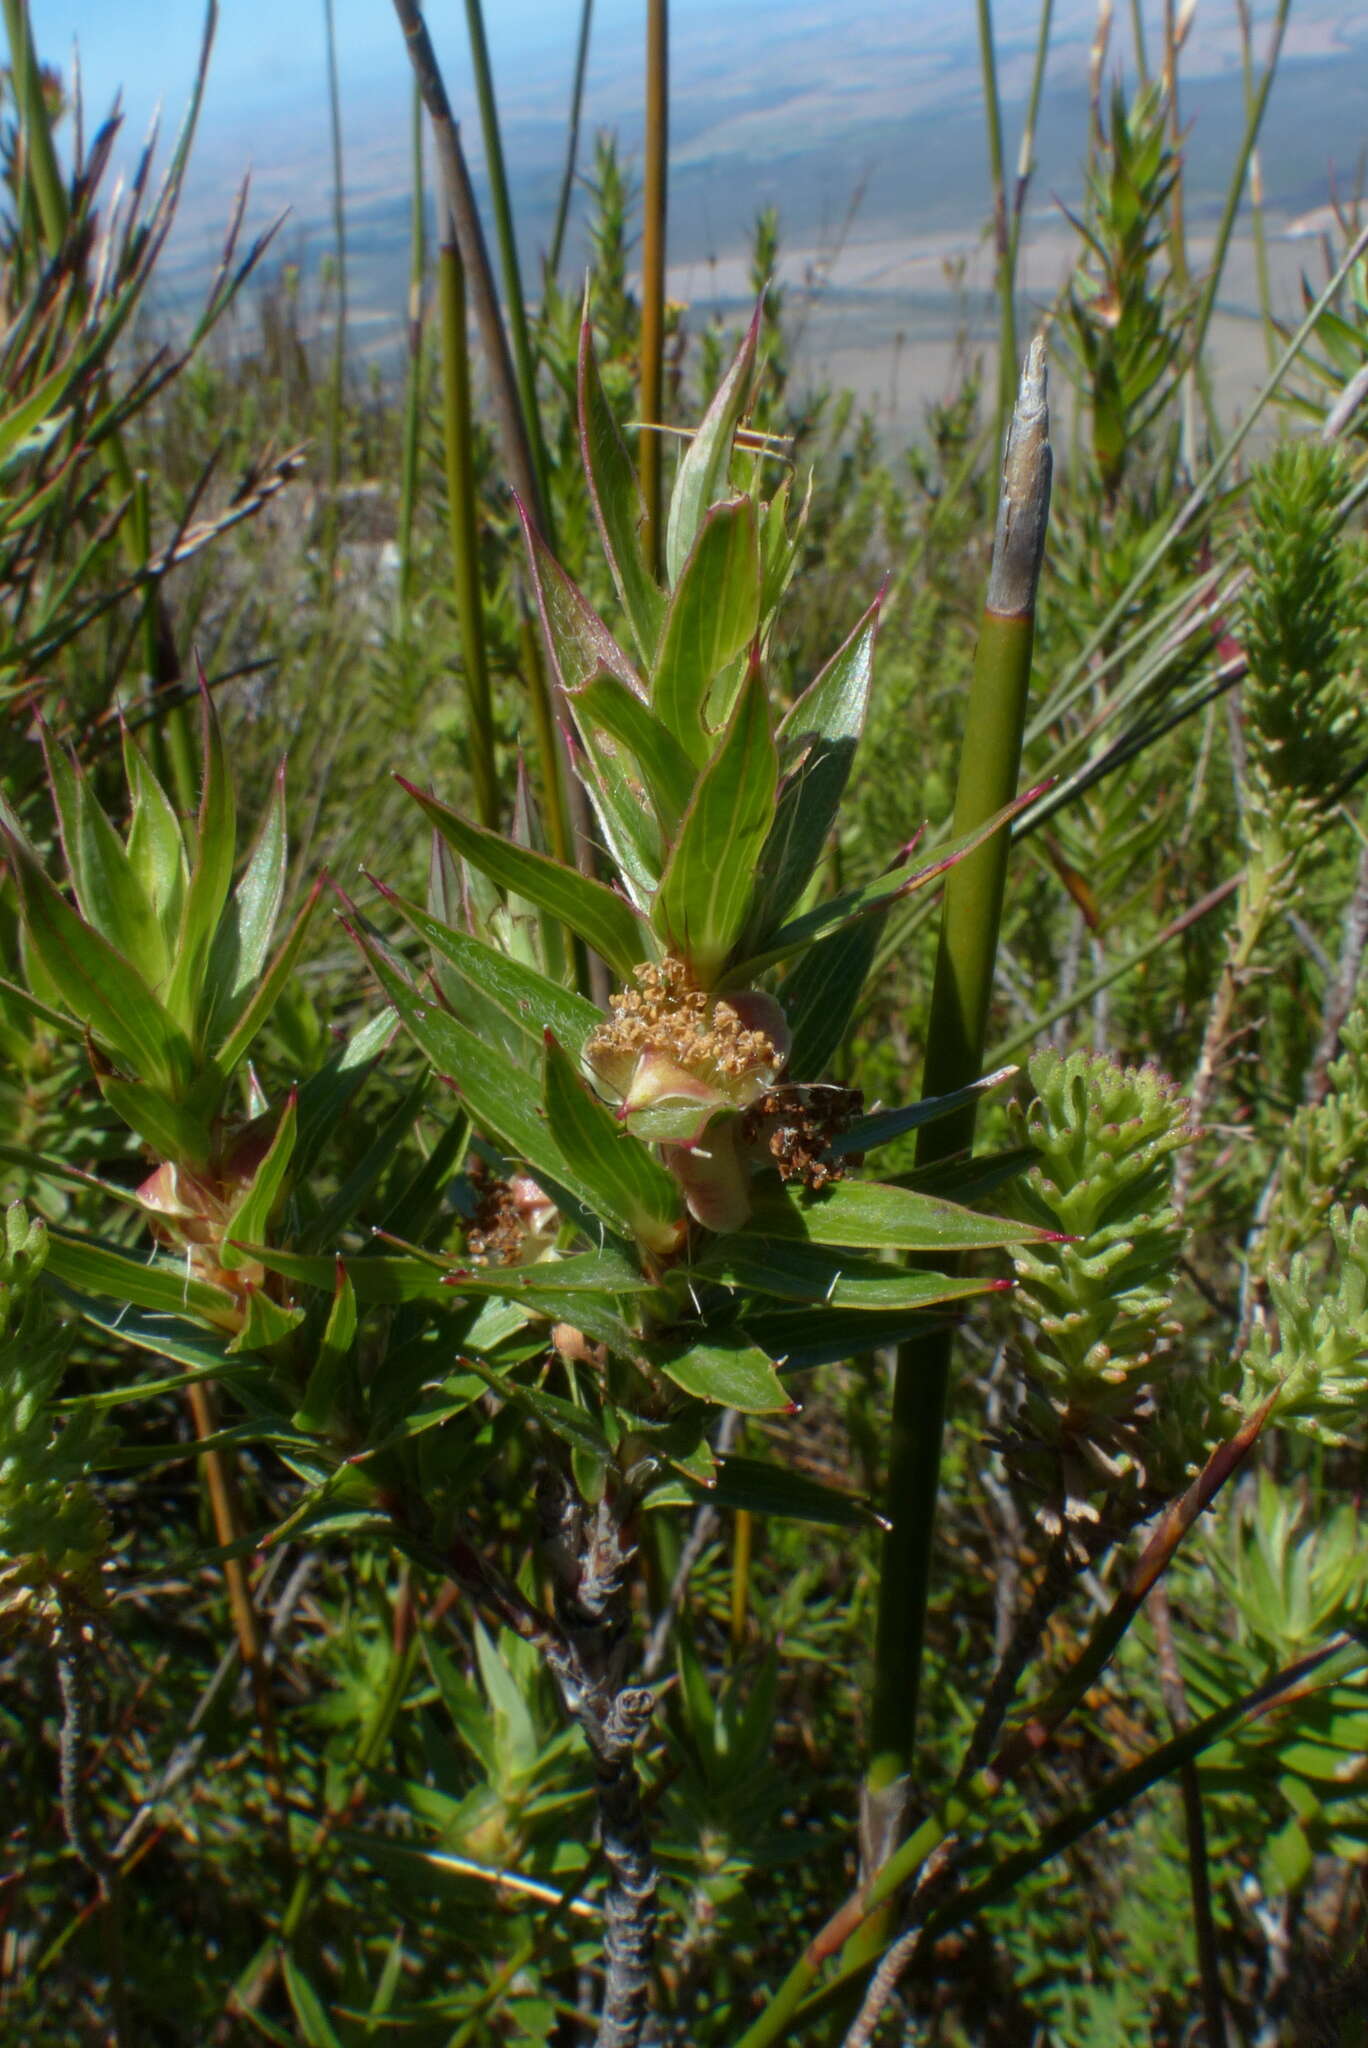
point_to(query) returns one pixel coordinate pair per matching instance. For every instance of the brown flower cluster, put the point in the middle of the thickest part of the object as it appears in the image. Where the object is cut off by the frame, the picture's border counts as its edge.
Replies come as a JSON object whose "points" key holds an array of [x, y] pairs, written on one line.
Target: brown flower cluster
{"points": [[495, 1237], [666, 1015], [796, 1125]]}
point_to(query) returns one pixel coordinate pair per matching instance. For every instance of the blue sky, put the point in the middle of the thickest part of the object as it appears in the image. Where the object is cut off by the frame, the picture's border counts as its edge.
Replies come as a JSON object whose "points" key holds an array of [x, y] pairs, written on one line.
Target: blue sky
{"points": [[264, 48]]}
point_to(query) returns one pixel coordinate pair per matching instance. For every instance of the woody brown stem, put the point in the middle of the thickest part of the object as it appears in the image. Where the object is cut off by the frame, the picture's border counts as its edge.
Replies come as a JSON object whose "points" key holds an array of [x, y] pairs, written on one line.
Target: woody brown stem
{"points": [[218, 1480]]}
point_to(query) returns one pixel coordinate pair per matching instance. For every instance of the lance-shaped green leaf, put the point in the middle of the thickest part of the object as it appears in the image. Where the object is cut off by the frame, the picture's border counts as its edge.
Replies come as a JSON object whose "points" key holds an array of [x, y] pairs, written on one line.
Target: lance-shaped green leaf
{"points": [[817, 742], [265, 1324], [876, 895], [603, 919], [632, 1190], [525, 996], [624, 813], [98, 986], [821, 993], [379, 1277], [107, 887], [617, 503], [175, 1131], [780, 545], [705, 890], [211, 876], [334, 1353], [573, 1425], [253, 1213], [882, 1126], [324, 1097], [605, 703], [702, 477], [773, 1490], [499, 1098], [798, 1340], [29, 426], [795, 1271], [164, 1336], [727, 1371], [156, 844], [261, 1000], [712, 619], [163, 1285], [579, 643], [243, 939], [873, 1216]]}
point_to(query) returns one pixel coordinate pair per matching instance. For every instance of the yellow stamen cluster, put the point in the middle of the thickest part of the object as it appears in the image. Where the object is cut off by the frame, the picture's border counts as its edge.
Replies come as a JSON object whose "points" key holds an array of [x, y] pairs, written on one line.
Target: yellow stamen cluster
{"points": [[666, 1014]]}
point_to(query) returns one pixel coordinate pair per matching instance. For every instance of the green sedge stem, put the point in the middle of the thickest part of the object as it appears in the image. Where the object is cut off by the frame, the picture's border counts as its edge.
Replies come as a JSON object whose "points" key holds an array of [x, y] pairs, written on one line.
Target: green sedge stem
{"points": [[989, 762], [653, 270], [413, 397], [1206, 305], [338, 366], [462, 218], [1002, 239], [524, 368], [571, 141], [463, 526]]}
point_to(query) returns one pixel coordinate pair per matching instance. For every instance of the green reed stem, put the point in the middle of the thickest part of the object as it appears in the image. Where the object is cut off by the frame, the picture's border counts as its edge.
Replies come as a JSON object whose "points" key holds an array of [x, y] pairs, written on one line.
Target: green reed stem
{"points": [[1257, 228], [467, 251], [1178, 258], [463, 523], [524, 367], [459, 209], [571, 141], [654, 197], [338, 367], [1026, 153], [1002, 240], [1206, 305], [1198, 378], [989, 761], [862, 1927], [550, 752], [413, 396], [743, 1540]]}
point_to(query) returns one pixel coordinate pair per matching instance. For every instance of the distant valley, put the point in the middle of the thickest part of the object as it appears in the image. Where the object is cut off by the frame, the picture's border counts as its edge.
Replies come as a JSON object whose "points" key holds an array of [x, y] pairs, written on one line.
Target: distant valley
{"points": [[866, 132]]}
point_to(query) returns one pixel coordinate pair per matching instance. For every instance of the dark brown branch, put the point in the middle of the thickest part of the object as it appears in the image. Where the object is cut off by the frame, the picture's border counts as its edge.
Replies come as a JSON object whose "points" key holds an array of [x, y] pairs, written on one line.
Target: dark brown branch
{"points": [[462, 214]]}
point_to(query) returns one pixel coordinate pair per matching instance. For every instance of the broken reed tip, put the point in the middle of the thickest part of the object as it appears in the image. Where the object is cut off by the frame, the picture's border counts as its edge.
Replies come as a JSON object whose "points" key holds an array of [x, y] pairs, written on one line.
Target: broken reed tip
{"points": [[1024, 501]]}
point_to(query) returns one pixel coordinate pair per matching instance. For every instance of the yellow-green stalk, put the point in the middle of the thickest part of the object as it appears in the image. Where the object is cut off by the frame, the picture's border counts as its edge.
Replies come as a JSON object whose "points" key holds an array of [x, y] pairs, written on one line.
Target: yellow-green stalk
{"points": [[524, 367], [1002, 239], [571, 141], [653, 268], [413, 395], [989, 761], [463, 523]]}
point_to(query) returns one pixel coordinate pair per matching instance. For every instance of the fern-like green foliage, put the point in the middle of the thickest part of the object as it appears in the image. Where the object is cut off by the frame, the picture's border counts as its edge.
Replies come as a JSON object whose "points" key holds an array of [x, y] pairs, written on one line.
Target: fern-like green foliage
{"points": [[1310, 1348], [1100, 1302], [1288, 1575], [1118, 314], [1304, 644], [1325, 1153], [52, 1529]]}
